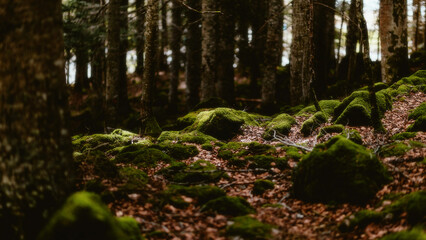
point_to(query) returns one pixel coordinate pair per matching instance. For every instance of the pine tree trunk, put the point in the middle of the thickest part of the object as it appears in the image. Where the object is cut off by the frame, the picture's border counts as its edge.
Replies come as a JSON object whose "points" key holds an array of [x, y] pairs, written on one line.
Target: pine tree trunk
{"points": [[243, 38], [416, 19], [81, 66], [140, 41], [35, 146], [273, 54], [352, 37], [98, 58], [149, 125], [393, 36], [300, 54], [193, 54], [226, 45], [176, 55], [209, 49], [164, 37], [124, 106]]}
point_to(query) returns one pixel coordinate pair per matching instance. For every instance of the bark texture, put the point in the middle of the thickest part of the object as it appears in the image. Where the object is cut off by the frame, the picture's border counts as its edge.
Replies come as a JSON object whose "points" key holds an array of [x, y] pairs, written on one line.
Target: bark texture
{"points": [[35, 145], [352, 37], [176, 55], [393, 37]]}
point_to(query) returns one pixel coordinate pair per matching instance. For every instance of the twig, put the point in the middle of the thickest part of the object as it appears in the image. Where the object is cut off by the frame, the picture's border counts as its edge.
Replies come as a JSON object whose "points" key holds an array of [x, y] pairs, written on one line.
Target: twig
{"points": [[286, 141]]}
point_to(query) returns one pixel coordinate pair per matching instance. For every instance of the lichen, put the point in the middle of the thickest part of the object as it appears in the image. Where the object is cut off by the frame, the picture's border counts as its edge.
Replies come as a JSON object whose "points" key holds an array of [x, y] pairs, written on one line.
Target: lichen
{"points": [[260, 186], [233, 206], [248, 228]]}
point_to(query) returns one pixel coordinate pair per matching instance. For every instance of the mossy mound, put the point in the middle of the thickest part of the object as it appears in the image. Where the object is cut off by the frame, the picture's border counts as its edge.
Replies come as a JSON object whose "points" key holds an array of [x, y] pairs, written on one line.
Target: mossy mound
{"points": [[266, 162], [248, 228], [404, 136], [222, 123], [84, 216], [239, 149], [336, 128], [418, 112], [201, 195], [133, 179], [261, 186], [281, 124], [413, 234], [258, 148], [207, 147], [142, 156], [200, 171], [352, 135], [212, 103], [327, 106], [360, 219], [415, 82], [377, 87], [233, 206], [293, 152], [102, 142], [101, 165], [418, 125], [186, 120], [177, 151], [355, 110], [131, 228], [313, 122], [399, 148], [185, 137], [339, 171]]}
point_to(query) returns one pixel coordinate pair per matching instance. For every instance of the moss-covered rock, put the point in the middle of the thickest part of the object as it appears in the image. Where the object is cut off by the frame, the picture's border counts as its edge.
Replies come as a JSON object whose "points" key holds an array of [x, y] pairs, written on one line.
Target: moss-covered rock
{"points": [[212, 103], [131, 228], [336, 128], [186, 120], [248, 228], [413, 234], [185, 137], [200, 171], [418, 112], [418, 125], [207, 147], [339, 171], [352, 135], [100, 164], [281, 124], [313, 122], [258, 148], [233, 149], [222, 123], [377, 86], [399, 148], [133, 179], [233, 206], [293, 152], [260, 186], [415, 82], [101, 142], [404, 136], [266, 162], [142, 156], [84, 216], [201, 195], [360, 219], [177, 151], [355, 110], [326, 105]]}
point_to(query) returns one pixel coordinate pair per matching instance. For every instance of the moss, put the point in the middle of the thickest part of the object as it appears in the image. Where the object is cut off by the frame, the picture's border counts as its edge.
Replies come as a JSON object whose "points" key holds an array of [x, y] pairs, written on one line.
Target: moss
{"points": [[102, 142], [293, 152], [281, 124], [237, 162], [418, 112], [212, 103], [124, 133], [188, 137], [130, 227], [353, 135], [260, 186], [355, 110], [394, 149], [272, 205], [360, 219], [258, 148], [413, 234], [225, 154], [186, 120], [336, 128], [222, 123], [404, 136], [201, 194], [417, 79], [133, 179], [233, 206], [142, 156], [377, 86], [281, 163], [260, 161], [248, 228], [207, 147], [418, 125], [177, 151], [157, 235], [83, 216], [326, 105], [231, 149], [339, 171], [200, 171], [150, 127], [101, 165], [411, 204], [313, 122]]}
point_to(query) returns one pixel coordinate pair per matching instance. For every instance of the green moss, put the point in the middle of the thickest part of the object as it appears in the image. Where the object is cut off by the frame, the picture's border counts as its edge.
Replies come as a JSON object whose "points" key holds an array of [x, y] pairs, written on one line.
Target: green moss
{"points": [[313, 122], [222, 123], [124, 133], [237, 162], [133, 179], [177, 151], [150, 127], [186, 120], [200, 171], [360, 219], [142, 156], [258, 148], [336, 128], [412, 204], [249, 228], [101, 165], [272, 205], [293, 152], [225, 154], [417, 79], [231, 149], [339, 171], [101, 142], [326, 105], [418, 112], [201, 194], [394, 149], [212, 103], [260, 161], [404, 136], [207, 147], [188, 137], [413, 234], [281, 124], [83, 216], [377, 86], [233, 206], [353, 135], [130, 227], [418, 125], [260, 186]]}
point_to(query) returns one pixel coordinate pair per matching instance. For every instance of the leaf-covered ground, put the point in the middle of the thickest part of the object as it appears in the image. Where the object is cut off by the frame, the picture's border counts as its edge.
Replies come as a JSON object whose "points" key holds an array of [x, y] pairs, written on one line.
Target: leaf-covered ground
{"points": [[291, 218]]}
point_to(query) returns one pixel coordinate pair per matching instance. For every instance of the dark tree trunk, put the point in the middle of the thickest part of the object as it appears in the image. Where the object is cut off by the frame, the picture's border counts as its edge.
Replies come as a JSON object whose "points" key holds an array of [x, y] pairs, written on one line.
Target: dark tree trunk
{"points": [[124, 108], [164, 37], [149, 125], [273, 54], [226, 45], [176, 55], [81, 66], [416, 19], [209, 49], [352, 37], [300, 63], [193, 54], [35, 146], [140, 41], [243, 24]]}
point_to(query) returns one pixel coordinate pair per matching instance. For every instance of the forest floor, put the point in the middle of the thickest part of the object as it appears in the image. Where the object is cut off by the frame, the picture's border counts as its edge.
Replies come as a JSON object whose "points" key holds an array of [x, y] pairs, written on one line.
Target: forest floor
{"points": [[291, 218]]}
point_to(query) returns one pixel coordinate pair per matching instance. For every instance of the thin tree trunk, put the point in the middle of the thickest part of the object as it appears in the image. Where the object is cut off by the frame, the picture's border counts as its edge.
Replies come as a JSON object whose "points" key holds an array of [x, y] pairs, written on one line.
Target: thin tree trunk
{"points": [[339, 44], [35, 146], [124, 107], [176, 55], [243, 39], [416, 19], [352, 37], [81, 66], [140, 41], [164, 37]]}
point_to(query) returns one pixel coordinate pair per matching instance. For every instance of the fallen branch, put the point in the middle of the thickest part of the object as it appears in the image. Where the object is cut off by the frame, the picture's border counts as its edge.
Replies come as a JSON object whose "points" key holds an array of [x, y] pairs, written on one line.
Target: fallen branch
{"points": [[283, 139]]}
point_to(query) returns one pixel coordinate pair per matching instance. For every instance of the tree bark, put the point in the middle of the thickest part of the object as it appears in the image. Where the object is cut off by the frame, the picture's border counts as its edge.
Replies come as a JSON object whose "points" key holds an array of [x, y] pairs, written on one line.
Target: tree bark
{"points": [[176, 55], [242, 29], [352, 37], [81, 66], [209, 49], [35, 146], [164, 37], [149, 125], [193, 54], [140, 41], [273, 54], [300, 54], [393, 36], [416, 19]]}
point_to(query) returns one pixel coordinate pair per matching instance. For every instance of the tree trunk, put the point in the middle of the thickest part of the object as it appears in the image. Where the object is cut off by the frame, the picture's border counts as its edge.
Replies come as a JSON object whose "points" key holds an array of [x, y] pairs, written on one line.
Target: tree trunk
{"points": [[149, 125], [209, 49], [81, 66], [243, 24], [35, 146], [393, 36], [164, 37], [300, 53], [225, 55], [140, 41], [176, 55], [124, 107], [273, 54], [352, 37], [416, 19]]}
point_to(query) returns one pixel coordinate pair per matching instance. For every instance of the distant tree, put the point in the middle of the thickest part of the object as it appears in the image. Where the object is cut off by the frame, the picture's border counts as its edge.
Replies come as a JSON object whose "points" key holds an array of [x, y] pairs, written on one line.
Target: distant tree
{"points": [[352, 37], [35, 146], [149, 125], [98, 57], [417, 5], [124, 45], [273, 53], [242, 31], [393, 37], [300, 64], [163, 36], [193, 52], [140, 41]]}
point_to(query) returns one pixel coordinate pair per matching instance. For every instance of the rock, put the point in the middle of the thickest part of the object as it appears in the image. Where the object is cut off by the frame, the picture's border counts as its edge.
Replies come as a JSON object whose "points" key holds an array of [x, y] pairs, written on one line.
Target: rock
{"points": [[248, 228], [327, 106], [260, 186], [233, 206], [185, 137], [313, 122], [200, 171], [413, 234], [281, 124]]}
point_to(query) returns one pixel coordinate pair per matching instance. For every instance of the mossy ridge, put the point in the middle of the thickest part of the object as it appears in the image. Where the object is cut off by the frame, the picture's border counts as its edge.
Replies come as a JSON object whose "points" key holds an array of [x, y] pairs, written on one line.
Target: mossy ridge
{"points": [[185, 137], [355, 110], [399, 148], [339, 171], [281, 124], [313, 122], [177, 151], [200, 171], [249, 228], [84, 216], [418, 112], [142, 156], [403, 136], [418, 125], [261, 186], [327, 106], [221, 123], [413, 234], [336, 128], [134, 180], [415, 82], [233, 206], [266, 162], [201, 195]]}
